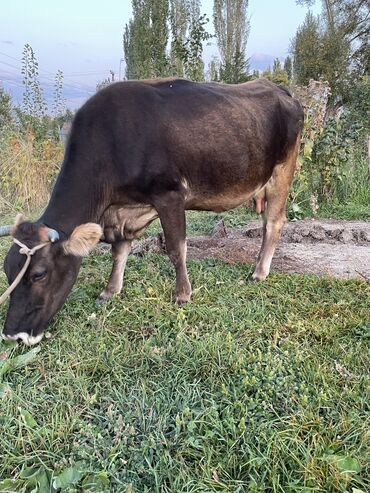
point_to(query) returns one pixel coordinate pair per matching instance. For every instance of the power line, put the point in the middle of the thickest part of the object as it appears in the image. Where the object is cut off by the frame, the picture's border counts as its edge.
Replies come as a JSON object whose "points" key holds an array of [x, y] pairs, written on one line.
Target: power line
{"points": [[71, 84], [12, 82]]}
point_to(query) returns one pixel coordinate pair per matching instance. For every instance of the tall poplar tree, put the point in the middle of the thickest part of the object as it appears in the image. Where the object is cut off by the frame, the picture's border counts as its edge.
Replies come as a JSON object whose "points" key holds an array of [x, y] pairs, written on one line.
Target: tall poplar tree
{"points": [[180, 20], [188, 35], [232, 30], [145, 40]]}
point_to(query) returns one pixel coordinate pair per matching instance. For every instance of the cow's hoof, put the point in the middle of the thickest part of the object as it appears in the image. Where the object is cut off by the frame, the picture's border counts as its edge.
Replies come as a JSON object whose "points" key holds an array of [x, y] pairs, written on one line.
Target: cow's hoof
{"points": [[103, 297], [254, 278], [100, 301], [182, 299]]}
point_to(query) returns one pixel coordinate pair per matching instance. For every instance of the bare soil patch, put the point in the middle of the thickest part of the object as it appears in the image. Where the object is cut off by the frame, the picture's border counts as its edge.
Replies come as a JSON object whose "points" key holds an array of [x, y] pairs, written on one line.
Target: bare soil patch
{"points": [[322, 247]]}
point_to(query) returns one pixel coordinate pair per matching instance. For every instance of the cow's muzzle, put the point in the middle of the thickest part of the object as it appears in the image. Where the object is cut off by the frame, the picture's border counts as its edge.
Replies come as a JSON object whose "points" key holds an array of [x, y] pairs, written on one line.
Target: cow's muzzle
{"points": [[25, 338]]}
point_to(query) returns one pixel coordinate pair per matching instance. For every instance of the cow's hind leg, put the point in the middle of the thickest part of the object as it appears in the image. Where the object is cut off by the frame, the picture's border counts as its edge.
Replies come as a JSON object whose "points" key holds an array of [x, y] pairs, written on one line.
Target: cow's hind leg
{"points": [[274, 216], [120, 252], [171, 213]]}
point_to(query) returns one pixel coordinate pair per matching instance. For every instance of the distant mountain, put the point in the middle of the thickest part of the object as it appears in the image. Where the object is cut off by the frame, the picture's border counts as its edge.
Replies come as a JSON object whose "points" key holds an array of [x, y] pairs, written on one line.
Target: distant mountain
{"points": [[262, 61]]}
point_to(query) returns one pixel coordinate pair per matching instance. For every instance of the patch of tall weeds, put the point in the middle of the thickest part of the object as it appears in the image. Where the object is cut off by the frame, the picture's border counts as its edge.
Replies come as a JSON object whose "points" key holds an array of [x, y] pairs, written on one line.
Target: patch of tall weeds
{"points": [[27, 170], [333, 163]]}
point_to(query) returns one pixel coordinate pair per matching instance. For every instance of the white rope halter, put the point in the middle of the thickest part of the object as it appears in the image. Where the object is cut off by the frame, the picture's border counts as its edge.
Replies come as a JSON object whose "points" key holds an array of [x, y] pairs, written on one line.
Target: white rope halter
{"points": [[24, 250]]}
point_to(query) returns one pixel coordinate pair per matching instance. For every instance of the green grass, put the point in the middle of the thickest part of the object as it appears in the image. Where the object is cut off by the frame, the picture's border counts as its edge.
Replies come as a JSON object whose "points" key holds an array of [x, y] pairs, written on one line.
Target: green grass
{"points": [[250, 388]]}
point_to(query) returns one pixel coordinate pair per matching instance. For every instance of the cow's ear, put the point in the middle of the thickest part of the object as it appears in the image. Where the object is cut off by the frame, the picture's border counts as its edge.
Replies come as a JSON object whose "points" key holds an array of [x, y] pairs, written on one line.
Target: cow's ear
{"points": [[83, 239]]}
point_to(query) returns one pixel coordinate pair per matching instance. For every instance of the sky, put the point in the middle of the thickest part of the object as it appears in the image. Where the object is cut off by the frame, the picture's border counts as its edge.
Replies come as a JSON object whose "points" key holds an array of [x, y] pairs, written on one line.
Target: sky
{"points": [[83, 38]]}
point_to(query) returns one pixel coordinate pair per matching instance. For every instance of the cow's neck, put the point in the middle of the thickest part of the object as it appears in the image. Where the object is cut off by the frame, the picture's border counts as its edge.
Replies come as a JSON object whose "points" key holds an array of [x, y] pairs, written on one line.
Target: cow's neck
{"points": [[78, 197]]}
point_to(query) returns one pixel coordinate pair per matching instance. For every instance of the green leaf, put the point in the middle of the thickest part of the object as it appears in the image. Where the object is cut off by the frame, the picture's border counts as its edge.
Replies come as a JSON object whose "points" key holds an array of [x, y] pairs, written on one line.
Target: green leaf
{"points": [[43, 482], [9, 486], [349, 465], [356, 490], [19, 361], [29, 472], [9, 344], [96, 482], [66, 478], [345, 464], [27, 418]]}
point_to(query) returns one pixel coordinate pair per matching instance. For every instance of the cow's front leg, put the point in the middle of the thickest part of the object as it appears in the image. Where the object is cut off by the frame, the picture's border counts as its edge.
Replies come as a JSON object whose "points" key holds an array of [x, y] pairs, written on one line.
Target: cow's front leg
{"points": [[120, 252], [171, 213]]}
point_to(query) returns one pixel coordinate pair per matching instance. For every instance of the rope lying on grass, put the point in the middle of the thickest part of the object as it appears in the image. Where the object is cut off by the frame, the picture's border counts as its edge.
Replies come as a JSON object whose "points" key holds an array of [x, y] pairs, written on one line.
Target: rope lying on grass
{"points": [[24, 250]]}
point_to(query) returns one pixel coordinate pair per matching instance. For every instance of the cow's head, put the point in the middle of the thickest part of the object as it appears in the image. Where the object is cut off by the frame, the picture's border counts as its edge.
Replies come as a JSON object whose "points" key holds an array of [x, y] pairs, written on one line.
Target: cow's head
{"points": [[48, 279]]}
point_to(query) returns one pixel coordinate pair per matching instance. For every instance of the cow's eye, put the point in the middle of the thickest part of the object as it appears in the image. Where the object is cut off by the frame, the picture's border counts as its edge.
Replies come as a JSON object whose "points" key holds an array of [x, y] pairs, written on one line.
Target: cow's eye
{"points": [[39, 276]]}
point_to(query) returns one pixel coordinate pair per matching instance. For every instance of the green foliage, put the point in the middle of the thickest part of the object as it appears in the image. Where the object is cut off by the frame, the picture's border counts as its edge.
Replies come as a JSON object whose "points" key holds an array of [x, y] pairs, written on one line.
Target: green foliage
{"points": [[236, 70], [180, 16], [34, 108], [307, 51], [105, 82], [214, 70], [189, 51], [334, 46], [278, 75], [359, 103], [232, 30], [288, 67], [6, 111], [145, 40], [33, 102], [331, 152], [333, 178], [59, 103]]}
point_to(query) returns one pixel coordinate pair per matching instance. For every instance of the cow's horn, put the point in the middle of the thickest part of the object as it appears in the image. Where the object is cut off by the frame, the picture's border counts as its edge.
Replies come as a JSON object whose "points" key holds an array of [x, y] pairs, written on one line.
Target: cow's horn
{"points": [[5, 230], [53, 235]]}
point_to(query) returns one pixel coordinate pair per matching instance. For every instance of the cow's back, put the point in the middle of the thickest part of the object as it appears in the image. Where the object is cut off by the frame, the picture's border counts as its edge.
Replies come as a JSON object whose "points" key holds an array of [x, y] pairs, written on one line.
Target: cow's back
{"points": [[214, 139]]}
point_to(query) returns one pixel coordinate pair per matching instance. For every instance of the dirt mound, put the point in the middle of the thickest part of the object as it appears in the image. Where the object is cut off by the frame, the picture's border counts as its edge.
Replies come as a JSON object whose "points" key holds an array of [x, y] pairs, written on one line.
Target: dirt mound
{"points": [[335, 248]]}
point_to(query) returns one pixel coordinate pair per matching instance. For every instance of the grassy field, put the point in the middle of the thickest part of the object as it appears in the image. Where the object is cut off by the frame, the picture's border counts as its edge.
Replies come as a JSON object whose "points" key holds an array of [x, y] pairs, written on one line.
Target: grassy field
{"points": [[250, 388]]}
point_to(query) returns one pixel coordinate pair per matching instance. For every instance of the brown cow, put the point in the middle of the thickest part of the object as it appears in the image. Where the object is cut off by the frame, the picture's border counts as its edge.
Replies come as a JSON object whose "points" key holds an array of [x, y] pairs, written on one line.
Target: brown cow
{"points": [[139, 150]]}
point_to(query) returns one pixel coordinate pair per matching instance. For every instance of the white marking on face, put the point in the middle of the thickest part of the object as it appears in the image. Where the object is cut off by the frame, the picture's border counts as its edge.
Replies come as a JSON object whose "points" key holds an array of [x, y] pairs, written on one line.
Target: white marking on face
{"points": [[26, 338]]}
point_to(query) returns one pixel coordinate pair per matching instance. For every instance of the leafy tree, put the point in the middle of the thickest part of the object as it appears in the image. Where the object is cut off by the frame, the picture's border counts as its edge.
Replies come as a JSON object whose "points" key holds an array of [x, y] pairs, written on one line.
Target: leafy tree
{"points": [[179, 20], [232, 30], [343, 42], [105, 82], [6, 110], [33, 99], [145, 40], [307, 50], [279, 75], [267, 74], [288, 67], [187, 49], [359, 104], [32, 116], [59, 103], [214, 70], [354, 17]]}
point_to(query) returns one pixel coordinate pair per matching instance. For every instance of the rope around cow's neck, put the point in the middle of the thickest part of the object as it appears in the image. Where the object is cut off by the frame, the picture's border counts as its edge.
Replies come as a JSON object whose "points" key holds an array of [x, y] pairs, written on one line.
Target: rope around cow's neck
{"points": [[24, 250]]}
